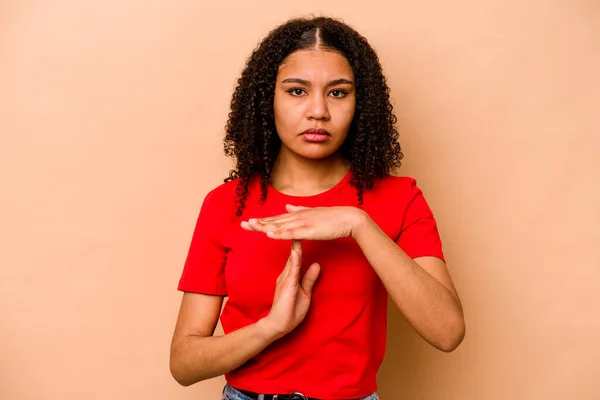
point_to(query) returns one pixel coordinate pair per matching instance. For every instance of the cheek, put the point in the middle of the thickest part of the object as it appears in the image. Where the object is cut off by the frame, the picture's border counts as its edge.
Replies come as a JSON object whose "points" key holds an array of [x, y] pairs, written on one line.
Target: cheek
{"points": [[344, 115], [288, 117]]}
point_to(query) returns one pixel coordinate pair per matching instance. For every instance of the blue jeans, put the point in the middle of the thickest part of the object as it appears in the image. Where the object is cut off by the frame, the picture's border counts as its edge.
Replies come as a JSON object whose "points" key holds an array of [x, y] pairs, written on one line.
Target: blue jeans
{"points": [[230, 393]]}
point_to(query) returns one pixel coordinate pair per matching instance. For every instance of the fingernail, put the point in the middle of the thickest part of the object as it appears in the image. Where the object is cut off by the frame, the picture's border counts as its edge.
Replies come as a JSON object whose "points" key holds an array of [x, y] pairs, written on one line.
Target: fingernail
{"points": [[252, 220]]}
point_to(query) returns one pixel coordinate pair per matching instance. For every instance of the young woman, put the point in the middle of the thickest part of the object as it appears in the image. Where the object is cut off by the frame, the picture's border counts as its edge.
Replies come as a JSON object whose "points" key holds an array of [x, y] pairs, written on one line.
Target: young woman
{"points": [[310, 232]]}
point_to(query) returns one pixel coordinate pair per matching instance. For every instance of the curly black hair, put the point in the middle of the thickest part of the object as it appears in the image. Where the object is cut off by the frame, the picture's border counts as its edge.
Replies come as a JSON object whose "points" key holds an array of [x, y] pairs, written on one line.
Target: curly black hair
{"points": [[371, 146]]}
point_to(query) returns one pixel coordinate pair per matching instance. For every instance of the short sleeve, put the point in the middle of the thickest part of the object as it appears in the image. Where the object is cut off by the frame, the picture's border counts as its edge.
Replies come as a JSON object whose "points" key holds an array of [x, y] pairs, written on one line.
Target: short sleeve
{"points": [[204, 269], [419, 236]]}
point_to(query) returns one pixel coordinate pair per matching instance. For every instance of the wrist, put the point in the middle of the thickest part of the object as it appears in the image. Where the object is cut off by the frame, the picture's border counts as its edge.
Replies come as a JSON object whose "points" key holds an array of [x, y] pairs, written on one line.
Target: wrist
{"points": [[267, 331], [360, 219]]}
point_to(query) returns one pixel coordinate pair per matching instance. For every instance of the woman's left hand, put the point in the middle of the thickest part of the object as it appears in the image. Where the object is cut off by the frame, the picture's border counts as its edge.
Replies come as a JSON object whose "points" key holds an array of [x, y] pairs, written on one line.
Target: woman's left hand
{"points": [[320, 223]]}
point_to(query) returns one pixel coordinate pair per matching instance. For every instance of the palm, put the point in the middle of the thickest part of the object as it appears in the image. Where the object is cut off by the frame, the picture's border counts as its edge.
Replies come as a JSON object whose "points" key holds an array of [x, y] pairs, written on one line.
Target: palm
{"points": [[292, 294]]}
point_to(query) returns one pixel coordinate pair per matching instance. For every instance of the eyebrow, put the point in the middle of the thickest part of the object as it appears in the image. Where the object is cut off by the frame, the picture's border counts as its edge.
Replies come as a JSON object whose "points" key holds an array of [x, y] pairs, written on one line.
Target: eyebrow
{"points": [[340, 81]]}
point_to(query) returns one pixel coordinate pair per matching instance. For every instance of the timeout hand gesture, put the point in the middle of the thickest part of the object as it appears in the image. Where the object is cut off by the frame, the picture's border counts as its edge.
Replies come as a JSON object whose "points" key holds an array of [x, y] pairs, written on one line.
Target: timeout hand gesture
{"points": [[304, 223], [292, 293]]}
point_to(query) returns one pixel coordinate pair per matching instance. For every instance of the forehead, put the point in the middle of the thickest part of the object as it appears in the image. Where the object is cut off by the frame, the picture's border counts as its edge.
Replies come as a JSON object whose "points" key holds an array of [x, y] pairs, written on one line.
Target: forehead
{"points": [[315, 64]]}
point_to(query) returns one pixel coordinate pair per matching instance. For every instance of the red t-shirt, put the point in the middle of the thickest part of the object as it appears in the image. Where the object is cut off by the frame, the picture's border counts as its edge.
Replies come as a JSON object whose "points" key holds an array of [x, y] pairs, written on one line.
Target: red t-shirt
{"points": [[336, 351]]}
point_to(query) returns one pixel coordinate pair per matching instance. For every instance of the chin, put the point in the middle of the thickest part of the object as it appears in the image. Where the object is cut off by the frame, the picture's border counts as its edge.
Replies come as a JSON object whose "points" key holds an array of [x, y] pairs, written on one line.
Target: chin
{"points": [[316, 154], [311, 151]]}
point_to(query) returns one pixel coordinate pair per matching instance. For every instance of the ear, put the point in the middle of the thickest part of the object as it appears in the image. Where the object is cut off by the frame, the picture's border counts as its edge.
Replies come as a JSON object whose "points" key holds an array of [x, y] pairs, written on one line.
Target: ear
{"points": [[291, 208]]}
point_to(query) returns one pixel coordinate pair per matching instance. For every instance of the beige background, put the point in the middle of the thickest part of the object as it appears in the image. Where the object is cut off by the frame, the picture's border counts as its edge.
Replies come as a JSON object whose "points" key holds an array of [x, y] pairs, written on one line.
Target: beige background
{"points": [[111, 119]]}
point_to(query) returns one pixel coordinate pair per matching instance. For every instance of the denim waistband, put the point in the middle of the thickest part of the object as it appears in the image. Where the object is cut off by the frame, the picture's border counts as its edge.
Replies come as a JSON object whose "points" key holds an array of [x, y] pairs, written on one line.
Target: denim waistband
{"points": [[231, 393]]}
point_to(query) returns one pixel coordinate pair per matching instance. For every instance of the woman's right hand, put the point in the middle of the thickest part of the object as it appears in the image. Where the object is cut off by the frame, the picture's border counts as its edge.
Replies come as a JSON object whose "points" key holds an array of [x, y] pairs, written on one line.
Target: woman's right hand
{"points": [[292, 294]]}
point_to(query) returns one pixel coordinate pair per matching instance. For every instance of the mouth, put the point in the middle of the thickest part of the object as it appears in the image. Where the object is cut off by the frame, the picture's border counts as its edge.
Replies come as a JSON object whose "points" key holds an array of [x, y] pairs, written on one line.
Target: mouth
{"points": [[315, 135]]}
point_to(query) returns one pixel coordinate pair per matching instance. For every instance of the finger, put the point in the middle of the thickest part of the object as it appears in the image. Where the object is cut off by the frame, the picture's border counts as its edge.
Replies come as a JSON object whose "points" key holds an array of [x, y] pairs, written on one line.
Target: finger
{"points": [[288, 231], [310, 277], [295, 251], [258, 226], [273, 218], [290, 234], [294, 272], [277, 220], [253, 225], [285, 271], [246, 226], [279, 227], [297, 246], [293, 208]]}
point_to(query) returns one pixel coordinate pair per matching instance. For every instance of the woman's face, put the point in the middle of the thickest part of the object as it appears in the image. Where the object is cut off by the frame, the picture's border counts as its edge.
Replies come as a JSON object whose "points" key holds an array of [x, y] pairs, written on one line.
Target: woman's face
{"points": [[314, 103]]}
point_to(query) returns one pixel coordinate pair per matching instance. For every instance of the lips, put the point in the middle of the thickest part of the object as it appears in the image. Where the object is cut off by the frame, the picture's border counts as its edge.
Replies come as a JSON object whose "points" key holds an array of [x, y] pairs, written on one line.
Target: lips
{"points": [[315, 135]]}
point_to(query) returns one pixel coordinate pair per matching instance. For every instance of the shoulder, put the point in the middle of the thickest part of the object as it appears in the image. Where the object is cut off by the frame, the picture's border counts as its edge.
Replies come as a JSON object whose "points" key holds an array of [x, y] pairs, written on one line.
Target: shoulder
{"points": [[221, 200], [396, 193], [223, 192], [395, 202], [395, 186]]}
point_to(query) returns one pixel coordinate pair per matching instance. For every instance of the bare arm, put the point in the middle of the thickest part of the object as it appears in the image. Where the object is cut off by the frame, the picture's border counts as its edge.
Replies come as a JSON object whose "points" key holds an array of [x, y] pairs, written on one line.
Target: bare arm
{"points": [[197, 355], [421, 288]]}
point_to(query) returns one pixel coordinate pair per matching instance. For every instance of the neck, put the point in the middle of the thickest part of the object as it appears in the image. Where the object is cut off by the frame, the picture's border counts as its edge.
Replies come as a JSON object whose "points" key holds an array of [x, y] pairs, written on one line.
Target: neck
{"points": [[297, 176]]}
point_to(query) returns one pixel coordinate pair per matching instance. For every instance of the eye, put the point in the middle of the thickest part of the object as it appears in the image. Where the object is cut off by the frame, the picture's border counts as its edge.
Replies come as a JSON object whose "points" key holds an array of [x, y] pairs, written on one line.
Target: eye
{"points": [[338, 93], [296, 92]]}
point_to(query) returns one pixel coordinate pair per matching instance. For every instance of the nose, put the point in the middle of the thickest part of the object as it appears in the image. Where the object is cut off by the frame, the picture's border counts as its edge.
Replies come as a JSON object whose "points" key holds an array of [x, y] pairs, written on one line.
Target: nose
{"points": [[317, 108]]}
